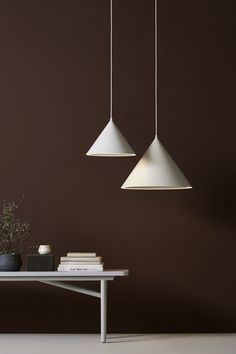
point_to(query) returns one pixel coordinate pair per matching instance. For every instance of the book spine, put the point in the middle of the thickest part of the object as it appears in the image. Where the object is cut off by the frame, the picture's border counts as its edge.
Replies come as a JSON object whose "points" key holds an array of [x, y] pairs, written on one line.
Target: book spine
{"points": [[81, 259], [79, 267], [81, 254], [82, 263]]}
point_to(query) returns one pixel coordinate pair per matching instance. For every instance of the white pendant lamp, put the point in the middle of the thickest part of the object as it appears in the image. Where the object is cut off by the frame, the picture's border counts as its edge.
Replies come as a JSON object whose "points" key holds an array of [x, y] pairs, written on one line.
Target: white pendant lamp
{"points": [[111, 142], [156, 170]]}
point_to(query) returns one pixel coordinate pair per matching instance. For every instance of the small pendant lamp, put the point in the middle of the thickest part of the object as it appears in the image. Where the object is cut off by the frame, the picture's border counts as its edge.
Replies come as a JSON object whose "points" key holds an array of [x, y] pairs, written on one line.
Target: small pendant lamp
{"points": [[156, 170], [111, 142]]}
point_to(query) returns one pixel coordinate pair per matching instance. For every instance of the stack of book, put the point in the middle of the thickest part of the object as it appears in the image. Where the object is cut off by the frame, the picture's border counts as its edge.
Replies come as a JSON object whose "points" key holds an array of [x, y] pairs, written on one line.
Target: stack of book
{"points": [[80, 261]]}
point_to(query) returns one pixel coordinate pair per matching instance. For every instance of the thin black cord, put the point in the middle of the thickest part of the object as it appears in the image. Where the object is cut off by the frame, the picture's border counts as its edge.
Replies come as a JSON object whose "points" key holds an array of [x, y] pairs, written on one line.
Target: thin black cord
{"points": [[111, 69], [156, 64]]}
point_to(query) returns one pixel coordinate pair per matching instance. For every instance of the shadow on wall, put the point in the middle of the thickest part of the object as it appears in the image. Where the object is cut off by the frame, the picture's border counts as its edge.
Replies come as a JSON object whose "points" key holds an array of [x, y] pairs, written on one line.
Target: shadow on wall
{"points": [[216, 194], [174, 313]]}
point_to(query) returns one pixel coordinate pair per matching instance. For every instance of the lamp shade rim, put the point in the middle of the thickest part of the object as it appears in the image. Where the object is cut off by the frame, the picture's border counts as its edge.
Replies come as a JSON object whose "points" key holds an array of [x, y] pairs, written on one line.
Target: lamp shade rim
{"points": [[109, 154], [156, 187]]}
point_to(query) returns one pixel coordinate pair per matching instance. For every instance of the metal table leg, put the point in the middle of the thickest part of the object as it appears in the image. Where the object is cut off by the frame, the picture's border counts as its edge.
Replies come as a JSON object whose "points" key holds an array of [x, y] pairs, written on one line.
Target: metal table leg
{"points": [[103, 310]]}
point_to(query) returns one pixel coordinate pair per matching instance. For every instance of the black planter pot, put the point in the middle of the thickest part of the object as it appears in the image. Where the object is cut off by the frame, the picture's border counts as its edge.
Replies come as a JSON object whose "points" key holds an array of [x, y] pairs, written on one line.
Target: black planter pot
{"points": [[10, 262]]}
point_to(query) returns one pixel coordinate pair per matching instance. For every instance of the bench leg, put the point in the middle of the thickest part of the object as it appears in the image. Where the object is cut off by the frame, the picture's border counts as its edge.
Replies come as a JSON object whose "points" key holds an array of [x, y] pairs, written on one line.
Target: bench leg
{"points": [[103, 310]]}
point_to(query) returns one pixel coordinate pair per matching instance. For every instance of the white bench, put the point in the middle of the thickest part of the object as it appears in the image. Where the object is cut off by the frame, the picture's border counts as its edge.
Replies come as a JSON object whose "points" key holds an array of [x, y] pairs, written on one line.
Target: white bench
{"points": [[58, 279]]}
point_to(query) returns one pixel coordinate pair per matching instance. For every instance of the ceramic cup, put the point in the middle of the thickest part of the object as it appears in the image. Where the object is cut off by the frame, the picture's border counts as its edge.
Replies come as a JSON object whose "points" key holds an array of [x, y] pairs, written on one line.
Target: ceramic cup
{"points": [[44, 249]]}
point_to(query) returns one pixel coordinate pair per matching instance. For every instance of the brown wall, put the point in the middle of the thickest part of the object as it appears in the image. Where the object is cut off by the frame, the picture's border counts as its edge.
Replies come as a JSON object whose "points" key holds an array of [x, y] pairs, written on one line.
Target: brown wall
{"points": [[54, 97]]}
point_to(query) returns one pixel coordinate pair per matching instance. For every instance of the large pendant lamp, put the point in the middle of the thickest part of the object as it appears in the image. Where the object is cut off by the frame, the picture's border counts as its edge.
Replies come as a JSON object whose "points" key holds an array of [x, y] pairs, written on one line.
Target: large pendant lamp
{"points": [[111, 142], [156, 170]]}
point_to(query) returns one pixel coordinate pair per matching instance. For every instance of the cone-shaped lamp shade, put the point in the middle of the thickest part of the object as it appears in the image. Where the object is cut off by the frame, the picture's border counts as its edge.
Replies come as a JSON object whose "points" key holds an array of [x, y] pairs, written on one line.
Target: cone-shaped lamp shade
{"points": [[156, 170], [111, 143]]}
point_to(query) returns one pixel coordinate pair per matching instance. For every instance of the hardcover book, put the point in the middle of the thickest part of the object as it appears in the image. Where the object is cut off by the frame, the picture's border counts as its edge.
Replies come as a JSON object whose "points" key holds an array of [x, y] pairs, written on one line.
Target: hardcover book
{"points": [[81, 259], [82, 263], [80, 267], [81, 254]]}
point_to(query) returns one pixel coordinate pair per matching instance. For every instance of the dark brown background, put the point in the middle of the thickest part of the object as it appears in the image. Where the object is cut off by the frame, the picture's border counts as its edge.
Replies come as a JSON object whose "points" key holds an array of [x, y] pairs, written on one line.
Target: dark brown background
{"points": [[180, 246]]}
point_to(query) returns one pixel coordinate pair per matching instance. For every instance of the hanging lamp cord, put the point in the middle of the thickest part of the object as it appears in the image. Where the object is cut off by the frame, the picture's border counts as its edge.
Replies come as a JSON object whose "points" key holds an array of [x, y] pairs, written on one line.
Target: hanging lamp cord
{"points": [[111, 32], [156, 64]]}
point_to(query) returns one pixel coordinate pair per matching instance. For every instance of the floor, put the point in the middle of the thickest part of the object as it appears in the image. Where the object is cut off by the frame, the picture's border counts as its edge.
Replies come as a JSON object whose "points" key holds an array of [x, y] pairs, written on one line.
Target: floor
{"points": [[118, 344]]}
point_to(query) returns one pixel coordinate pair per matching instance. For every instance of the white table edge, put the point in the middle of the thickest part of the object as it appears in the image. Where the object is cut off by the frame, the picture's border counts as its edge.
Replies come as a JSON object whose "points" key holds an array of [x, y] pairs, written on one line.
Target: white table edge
{"points": [[65, 274]]}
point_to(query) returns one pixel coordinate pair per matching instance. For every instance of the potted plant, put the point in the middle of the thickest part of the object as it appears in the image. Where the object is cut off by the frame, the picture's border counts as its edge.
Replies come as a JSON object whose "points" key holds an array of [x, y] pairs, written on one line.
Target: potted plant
{"points": [[13, 233]]}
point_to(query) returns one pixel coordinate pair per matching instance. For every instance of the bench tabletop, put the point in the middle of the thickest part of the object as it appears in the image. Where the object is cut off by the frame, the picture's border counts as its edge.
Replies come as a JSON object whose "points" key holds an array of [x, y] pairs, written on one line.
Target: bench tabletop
{"points": [[70, 275]]}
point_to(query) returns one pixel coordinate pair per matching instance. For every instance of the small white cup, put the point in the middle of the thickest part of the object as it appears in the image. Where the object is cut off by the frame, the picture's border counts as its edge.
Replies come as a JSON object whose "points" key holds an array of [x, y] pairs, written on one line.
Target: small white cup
{"points": [[44, 249]]}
